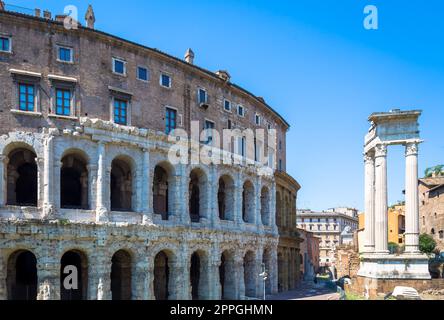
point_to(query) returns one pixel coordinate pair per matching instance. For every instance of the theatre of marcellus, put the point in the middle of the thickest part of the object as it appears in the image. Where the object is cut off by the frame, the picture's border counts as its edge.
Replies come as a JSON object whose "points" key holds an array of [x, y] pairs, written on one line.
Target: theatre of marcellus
{"points": [[92, 205]]}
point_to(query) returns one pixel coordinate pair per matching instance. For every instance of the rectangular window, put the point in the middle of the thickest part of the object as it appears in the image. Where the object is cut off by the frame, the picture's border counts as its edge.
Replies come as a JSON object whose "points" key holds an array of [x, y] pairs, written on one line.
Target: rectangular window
{"points": [[165, 80], [240, 110], [209, 125], [119, 66], [280, 165], [65, 54], [229, 124], [227, 105], [142, 74], [63, 102], [170, 120], [5, 44], [120, 111], [26, 97], [202, 96], [258, 119]]}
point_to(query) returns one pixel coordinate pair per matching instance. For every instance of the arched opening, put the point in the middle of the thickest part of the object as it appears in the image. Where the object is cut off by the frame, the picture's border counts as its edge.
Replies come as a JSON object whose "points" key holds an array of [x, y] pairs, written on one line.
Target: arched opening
{"points": [[248, 202], [121, 185], [121, 276], [227, 276], [74, 182], [161, 276], [197, 194], [160, 192], [250, 274], [225, 198], [265, 206], [22, 178], [195, 275], [21, 276], [73, 276], [266, 260]]}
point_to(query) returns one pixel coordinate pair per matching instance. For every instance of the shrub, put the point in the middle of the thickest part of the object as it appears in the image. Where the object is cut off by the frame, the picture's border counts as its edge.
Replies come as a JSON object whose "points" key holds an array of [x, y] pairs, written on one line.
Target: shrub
{"points": [[426, 243]]}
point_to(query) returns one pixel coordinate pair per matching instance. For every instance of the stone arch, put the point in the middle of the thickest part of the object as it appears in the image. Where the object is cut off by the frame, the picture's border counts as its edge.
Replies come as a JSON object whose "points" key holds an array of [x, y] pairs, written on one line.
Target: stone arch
{"points": [[122, 180], [121, 265], [163, 189], [248, 203], [21, 277], [198, 195], [225, 197], [250, 273], [74, 184], [227, 274], [21, 175], [265, 206], [79, 260], [199, 275], [162, 280]]}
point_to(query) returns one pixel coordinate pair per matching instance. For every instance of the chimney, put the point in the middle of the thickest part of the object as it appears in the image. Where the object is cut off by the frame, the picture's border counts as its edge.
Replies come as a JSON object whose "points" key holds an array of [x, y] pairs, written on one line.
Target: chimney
{"points": [[47, 15], [224, 75], [38, 12], [2, 6], [189, 56], [60, 17], [90, 18]]}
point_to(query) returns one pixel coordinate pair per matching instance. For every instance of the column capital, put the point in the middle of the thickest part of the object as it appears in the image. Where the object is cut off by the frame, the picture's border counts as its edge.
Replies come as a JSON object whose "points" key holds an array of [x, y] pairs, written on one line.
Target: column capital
{"points": [[369, 157], [411, 148], [381, 150]]}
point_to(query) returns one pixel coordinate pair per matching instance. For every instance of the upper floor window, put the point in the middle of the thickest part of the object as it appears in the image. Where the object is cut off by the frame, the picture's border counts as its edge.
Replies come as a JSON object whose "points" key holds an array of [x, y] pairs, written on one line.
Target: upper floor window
{"points": [[120, 111], [269, 126], [26, 97], [280, 164], [202, 96], [227, 105], [65, 54], [63, 102], [5, 44], [142, 74], [119, 66], [240, 110], [229, 124], [209, 125], [257, 119], [165, 80], [170, 120]]}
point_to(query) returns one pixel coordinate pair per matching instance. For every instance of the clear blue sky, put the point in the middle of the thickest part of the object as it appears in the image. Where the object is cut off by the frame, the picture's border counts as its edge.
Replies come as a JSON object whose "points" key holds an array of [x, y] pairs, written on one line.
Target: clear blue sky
{"points": [[316, 65]]}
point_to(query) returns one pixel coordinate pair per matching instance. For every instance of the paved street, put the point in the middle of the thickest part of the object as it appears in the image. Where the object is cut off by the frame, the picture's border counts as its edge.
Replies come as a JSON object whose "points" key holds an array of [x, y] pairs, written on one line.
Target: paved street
{"points": [[308, 291]]}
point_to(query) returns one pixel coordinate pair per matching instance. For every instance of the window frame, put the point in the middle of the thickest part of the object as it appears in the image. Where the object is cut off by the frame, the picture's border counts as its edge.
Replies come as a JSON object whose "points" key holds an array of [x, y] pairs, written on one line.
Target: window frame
{"points": [[10, 43], [71, 49], [257, 117], [239, 107], [71, 101], [168, 110], [147, 74], [35, 94], [207, 140], [170, 83], [199, 90], [127, 110], [124, 62], [230, 104]]}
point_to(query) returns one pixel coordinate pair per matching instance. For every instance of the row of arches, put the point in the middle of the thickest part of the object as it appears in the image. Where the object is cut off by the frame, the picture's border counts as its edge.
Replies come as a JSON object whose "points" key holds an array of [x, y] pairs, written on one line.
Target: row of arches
{"points": [[22, 275], [22, 187]]}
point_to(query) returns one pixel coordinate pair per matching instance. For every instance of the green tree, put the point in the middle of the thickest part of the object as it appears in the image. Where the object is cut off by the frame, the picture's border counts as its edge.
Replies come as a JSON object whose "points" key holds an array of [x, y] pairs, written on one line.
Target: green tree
{"points": [[437, 170], [426, 243]]}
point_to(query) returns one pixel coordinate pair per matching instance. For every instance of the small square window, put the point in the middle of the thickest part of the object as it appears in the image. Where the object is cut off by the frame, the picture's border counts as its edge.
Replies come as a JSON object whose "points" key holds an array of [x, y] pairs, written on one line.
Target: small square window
{"points": [[142, 73], [65, 54], [5, 44], [165, 80], [119, 66], [227, 105], [240, 110], [202, 96]]}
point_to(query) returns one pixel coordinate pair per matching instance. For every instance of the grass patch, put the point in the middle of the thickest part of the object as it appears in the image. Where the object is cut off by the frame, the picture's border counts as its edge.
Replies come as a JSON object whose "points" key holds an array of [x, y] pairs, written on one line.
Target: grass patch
{"points": [[352, 296]]}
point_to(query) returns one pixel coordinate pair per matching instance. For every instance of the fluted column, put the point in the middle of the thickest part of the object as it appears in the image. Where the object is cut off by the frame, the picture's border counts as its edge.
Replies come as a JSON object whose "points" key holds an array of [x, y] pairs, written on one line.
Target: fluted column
{"points": [[48, 274], [381, 215], [3, 164], [146, 189], [101, 207], [369, 203], [411, 199], [48, 177]]}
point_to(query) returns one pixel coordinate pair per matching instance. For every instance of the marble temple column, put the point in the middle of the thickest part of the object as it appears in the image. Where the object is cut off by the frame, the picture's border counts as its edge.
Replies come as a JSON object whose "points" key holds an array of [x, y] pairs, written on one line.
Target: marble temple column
{"points": [[369, 245], [381, 215]]}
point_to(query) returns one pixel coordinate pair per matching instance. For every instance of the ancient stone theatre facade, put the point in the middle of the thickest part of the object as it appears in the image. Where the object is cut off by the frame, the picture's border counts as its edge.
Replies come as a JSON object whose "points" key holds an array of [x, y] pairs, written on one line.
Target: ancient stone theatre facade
{"points": [[86, 178]]}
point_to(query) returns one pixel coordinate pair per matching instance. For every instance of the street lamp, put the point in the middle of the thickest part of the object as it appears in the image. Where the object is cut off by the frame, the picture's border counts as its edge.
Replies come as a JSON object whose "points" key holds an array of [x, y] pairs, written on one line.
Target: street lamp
{"points": [[264, 276]]}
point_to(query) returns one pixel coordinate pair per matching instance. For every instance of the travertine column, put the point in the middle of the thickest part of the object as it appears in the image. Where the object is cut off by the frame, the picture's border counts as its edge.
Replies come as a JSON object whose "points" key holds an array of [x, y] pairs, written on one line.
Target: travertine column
{"points": [[214, 280], [3, 165], [101, 207], [141, 279], [411, 199], [146, 189], [3, 269], [238, 200], [48, 274], [181, 194], [369, 203], [99, 280], [273, 208], [239, 274], [381, 215], [258, 206], [48, 177], [260, 282]]}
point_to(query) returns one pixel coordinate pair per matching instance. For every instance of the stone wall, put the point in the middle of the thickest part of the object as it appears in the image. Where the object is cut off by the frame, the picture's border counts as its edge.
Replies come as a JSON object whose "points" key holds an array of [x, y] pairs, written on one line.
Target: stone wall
{"points": [[347, 261]]}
